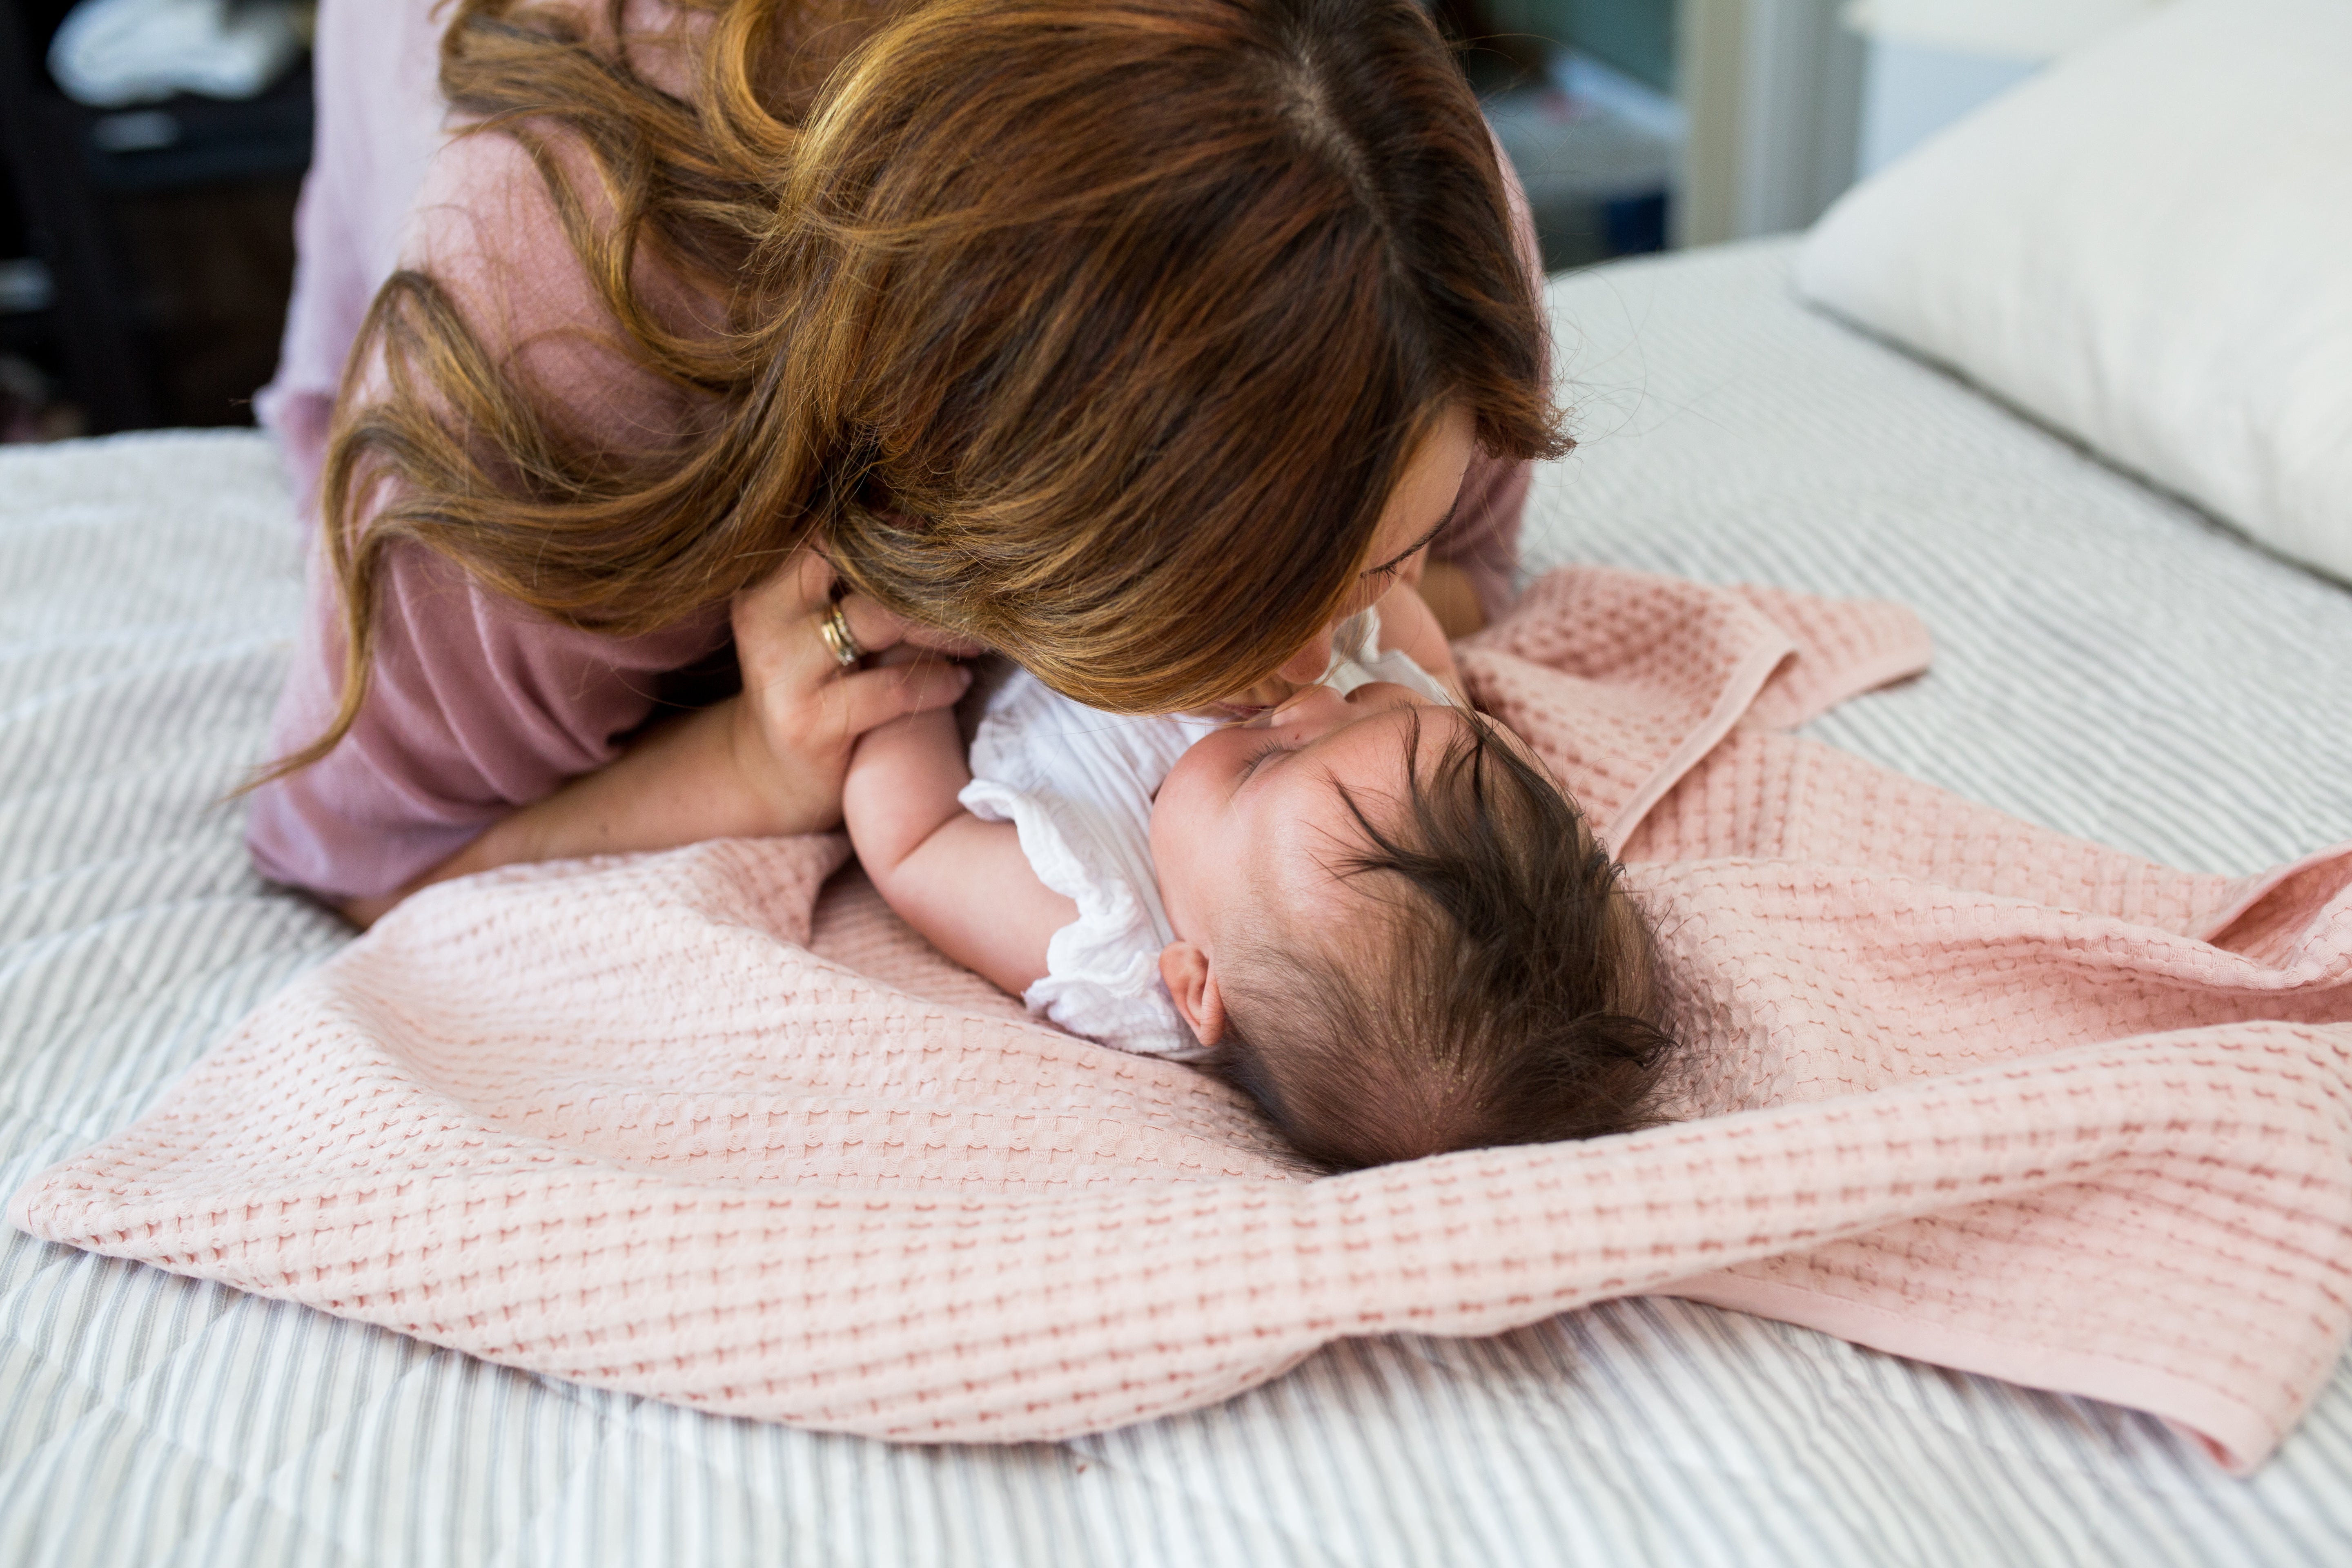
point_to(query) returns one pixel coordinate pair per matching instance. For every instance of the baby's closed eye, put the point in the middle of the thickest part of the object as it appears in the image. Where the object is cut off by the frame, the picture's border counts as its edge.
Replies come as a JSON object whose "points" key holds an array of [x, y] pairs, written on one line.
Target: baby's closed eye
{"points": [[1258, 759]]}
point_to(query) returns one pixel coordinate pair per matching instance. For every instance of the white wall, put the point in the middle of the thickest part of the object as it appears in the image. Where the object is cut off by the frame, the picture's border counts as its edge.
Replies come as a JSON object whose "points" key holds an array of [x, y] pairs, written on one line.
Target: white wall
{"points": [[1910, 92], [1789, 102], [1932, 61]]}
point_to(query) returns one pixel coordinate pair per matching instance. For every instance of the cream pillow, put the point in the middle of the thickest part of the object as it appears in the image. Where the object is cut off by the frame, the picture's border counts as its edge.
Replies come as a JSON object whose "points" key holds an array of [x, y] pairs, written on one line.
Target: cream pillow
{"points": [[2147, 246]]}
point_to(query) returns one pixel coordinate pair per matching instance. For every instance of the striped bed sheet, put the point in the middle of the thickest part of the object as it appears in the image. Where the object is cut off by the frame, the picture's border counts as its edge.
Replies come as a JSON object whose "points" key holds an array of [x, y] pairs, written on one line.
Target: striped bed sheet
{"points": [[2109, 663]]}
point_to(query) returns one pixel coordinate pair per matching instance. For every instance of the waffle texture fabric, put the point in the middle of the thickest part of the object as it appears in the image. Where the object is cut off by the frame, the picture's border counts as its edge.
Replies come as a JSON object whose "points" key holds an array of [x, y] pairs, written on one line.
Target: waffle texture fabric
{"points": [[1956, 1086]]}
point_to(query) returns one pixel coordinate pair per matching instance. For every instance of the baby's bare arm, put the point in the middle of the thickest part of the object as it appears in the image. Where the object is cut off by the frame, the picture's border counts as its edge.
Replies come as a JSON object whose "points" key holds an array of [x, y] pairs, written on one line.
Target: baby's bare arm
{"points": [[963, 882]]}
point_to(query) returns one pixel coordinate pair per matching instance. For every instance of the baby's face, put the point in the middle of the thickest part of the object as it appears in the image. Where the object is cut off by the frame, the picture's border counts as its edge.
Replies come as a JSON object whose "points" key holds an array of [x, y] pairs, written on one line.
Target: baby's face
{"points": [[1254, 812]]}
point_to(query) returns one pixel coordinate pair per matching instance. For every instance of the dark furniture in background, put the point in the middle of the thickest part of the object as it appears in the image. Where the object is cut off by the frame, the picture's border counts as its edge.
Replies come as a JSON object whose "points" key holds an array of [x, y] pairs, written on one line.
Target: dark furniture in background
{"points": [[167, 230], [1589, 206]]}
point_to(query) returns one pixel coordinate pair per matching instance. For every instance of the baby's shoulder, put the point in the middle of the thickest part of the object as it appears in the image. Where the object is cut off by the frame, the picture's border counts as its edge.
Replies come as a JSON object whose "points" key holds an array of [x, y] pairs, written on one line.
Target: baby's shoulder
{"points": [[1032, 737]]}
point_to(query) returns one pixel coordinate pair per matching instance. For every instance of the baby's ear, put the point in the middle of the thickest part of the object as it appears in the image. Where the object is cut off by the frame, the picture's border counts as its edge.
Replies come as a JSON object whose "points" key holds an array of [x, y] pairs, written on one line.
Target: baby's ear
{"points": [[1194, 984]]}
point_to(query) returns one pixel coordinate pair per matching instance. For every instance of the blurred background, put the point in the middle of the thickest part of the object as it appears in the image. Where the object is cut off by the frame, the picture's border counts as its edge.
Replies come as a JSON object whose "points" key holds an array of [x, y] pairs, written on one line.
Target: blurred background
{"points": [[155, 149], [146, 229]]}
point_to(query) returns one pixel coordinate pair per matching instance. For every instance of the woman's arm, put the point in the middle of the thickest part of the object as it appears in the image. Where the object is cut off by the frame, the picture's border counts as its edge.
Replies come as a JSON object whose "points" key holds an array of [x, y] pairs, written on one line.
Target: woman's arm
{"points": [[490, 733], [1452, 595], [1473, 565], [1408, 624], [767, 762], [961, 882]]}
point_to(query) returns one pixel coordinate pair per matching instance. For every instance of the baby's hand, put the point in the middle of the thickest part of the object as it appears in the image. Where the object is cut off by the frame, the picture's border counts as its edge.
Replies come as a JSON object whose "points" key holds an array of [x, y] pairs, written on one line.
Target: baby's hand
{"points": [[790, 735], [904, 776]]}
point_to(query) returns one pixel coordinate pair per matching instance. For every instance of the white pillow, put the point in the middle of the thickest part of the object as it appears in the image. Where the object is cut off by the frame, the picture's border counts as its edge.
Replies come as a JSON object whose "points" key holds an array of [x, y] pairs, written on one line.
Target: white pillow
{"points": [[2147, 246]]}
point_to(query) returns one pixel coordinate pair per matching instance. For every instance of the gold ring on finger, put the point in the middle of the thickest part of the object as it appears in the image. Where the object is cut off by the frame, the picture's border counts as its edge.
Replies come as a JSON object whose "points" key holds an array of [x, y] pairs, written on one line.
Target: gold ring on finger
{"points": [[835, 629]]}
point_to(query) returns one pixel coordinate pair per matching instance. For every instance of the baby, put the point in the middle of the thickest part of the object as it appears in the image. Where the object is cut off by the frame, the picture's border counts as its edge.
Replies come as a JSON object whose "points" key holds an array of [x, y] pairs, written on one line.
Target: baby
{"points": [[1368, 909]]}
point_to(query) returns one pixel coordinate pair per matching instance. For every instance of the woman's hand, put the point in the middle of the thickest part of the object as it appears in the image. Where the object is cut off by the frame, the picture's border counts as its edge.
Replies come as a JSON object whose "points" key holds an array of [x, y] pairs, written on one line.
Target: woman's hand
{"points": [[1409, 626], [767, 762], [801, 712]]}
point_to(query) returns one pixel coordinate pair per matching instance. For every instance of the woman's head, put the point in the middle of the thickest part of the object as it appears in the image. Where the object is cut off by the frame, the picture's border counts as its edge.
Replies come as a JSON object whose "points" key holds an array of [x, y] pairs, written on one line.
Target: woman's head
{"points": [[1103, 331], [1134, 314]]}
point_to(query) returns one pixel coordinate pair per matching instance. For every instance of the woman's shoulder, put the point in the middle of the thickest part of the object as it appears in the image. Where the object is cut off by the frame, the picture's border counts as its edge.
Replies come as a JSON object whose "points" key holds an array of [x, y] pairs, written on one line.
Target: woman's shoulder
{"points": [[487, 231], [488, 228]]}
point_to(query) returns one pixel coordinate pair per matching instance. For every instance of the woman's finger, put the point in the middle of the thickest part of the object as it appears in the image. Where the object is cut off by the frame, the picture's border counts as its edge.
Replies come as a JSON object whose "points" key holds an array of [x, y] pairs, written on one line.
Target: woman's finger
{"points": [[877, 627], [779, 630], [874, 697], [873, 627], [777, 642], [800, 586]]}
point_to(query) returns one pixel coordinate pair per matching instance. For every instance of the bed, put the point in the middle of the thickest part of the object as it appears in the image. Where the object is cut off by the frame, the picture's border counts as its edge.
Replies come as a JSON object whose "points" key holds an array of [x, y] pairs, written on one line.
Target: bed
{"points": [[2110, 662]]}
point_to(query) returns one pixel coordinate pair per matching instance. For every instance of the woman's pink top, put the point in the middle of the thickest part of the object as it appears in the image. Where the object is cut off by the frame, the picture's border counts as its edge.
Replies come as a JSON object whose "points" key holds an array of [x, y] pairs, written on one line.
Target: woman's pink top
{"points": [[478, 706]]}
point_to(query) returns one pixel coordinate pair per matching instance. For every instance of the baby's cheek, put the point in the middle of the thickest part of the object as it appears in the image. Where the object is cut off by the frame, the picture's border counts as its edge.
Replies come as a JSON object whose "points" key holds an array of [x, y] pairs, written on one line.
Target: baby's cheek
{"points": [[1171, 860]]}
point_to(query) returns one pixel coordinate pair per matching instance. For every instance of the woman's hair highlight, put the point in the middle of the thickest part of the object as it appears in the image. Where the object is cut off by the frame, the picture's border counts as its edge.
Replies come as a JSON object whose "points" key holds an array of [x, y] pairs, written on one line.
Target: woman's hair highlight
{"points": [[1096, 330]]}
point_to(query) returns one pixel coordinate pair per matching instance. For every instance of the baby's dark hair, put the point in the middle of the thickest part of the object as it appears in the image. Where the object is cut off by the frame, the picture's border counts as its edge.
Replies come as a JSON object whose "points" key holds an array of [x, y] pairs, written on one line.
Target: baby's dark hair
{"points": [[1501, 991]]}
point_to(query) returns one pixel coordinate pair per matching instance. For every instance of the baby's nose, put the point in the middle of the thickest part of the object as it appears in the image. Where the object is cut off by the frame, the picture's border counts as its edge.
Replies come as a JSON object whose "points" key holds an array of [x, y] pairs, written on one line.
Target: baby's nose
{"points": [[1385, 694]]}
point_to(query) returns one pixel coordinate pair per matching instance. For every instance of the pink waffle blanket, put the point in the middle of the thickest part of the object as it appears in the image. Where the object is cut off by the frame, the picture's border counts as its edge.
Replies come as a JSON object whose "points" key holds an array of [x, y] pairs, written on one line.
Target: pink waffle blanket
{"points": [[712, 1126]]}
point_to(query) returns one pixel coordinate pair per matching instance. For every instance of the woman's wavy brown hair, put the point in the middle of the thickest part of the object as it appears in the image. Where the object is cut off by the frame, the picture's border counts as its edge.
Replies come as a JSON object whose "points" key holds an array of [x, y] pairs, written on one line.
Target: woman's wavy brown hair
{"points": [[1097, 331]]}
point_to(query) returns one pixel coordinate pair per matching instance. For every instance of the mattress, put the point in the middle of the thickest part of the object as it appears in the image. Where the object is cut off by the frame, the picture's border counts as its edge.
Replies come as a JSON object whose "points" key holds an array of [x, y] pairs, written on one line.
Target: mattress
{"points": [[2110, 663]]}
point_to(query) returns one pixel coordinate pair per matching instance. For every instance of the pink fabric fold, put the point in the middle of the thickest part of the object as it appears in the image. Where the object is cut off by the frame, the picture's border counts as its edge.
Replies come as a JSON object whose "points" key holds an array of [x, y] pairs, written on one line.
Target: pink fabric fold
{"points": [[713, 1127]]}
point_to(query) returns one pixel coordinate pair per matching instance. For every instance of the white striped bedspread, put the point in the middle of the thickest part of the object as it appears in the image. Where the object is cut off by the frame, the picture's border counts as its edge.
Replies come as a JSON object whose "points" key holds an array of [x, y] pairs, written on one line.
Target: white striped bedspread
{"points": [[2109, 663]]}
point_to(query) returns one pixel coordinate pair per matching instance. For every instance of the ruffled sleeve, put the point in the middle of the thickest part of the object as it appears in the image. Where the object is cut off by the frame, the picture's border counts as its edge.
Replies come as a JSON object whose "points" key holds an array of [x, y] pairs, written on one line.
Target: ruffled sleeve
{"points": [[1076, 785]]}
